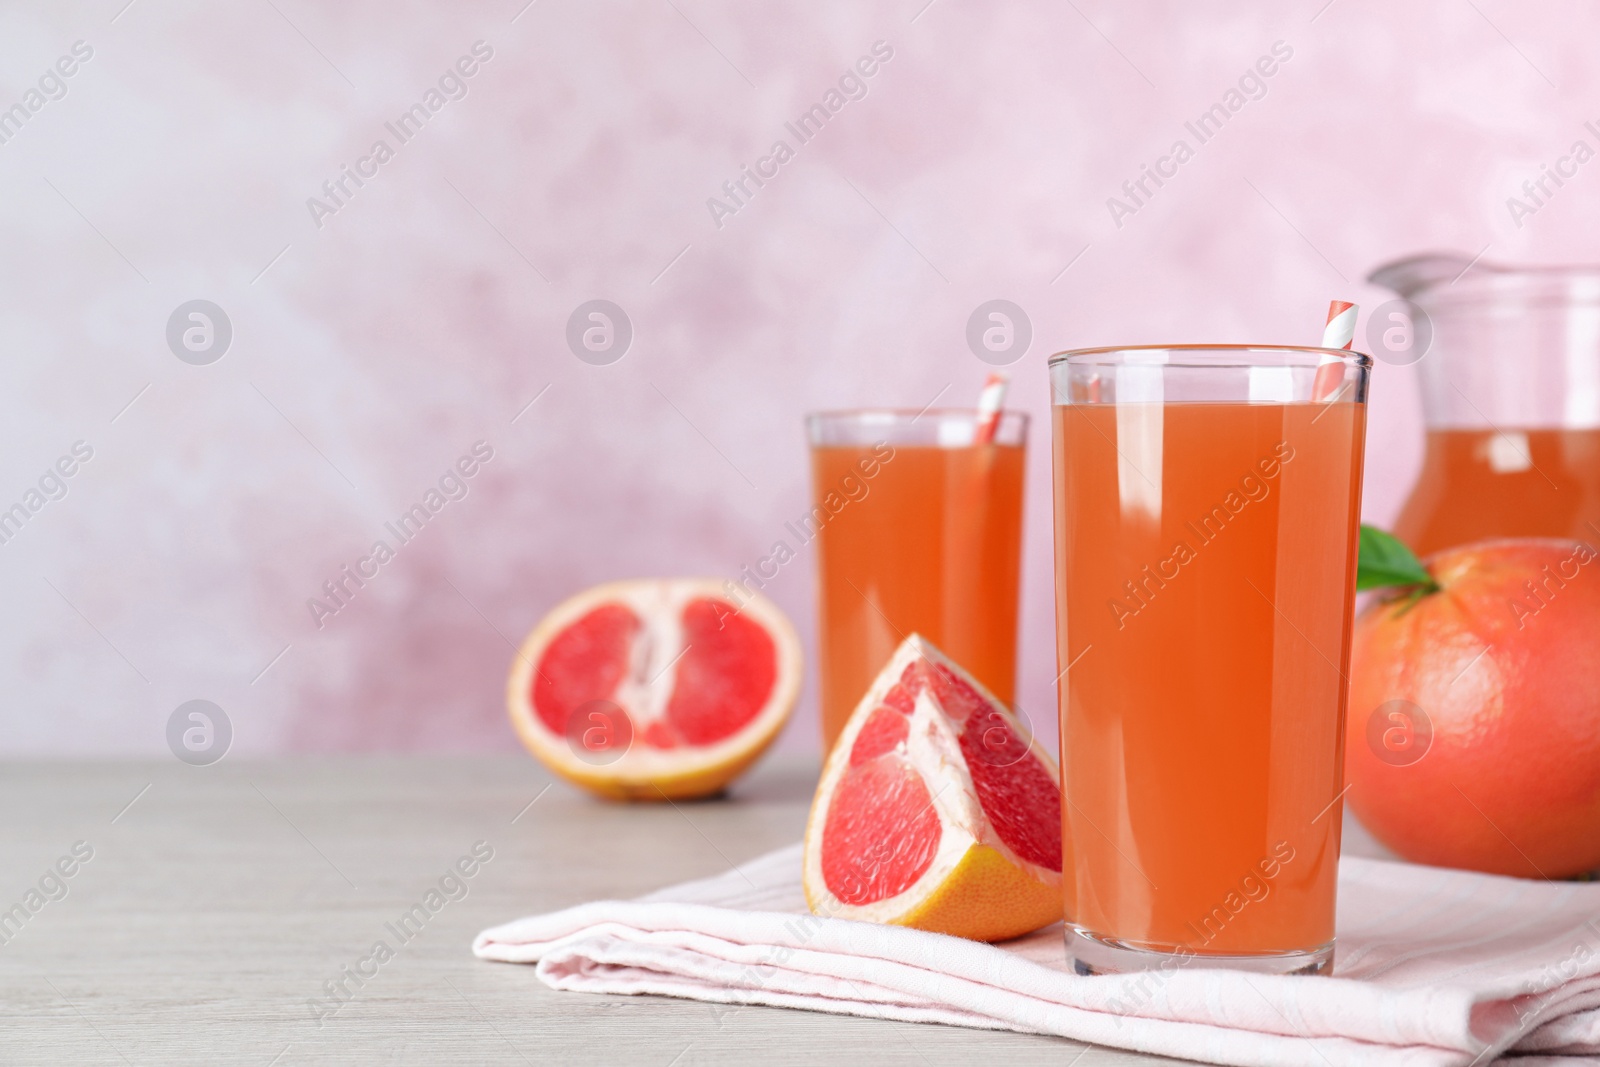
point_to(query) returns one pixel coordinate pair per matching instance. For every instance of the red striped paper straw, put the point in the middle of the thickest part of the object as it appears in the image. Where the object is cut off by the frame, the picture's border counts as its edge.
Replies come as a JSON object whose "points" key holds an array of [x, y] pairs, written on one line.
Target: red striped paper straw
{"points": [[1340, 332], [991, 404]]}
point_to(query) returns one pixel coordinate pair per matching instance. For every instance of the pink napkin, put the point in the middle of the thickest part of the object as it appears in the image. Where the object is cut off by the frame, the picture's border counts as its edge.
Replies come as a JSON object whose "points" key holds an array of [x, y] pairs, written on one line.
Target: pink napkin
{"points": [[1434, 967]]}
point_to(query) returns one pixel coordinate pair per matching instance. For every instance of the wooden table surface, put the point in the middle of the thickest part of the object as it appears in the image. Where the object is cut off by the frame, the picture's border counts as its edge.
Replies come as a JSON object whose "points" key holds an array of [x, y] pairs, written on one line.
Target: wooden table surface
{"points": [[218, 902]]}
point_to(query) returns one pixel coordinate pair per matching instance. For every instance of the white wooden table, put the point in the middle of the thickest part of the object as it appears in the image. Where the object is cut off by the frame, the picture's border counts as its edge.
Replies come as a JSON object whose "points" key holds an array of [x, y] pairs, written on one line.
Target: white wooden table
{"points": [[221, 900]]}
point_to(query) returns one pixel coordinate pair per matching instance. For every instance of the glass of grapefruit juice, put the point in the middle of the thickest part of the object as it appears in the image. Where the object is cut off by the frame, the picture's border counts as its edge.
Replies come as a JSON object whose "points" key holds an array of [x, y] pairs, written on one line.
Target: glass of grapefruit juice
{"points": [[919, 530], [1206, 513]]}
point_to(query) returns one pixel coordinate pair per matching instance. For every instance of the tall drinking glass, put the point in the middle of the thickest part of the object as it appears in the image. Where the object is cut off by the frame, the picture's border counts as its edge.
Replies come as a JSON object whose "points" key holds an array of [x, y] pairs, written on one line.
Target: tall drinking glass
{"points": [[918, 530], [1207, 501]]}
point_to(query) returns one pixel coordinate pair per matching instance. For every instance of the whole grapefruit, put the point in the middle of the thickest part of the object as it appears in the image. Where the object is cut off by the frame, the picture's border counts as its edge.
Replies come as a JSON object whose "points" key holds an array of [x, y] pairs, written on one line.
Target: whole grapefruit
{"points": [[1474, 720]]}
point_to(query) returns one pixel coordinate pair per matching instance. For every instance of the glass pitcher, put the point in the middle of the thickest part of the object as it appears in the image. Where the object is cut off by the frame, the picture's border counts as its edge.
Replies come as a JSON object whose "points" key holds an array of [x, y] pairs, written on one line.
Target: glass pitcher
{"points": [[1511, 393]]}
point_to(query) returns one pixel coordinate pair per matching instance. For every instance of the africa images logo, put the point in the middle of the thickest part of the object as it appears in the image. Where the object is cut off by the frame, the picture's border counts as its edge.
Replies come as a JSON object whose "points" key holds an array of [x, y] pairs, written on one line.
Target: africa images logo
{"points": [[1253, 488], [51, 85], [852, 85], [1252, 85], [451, 85], [453, 485]]}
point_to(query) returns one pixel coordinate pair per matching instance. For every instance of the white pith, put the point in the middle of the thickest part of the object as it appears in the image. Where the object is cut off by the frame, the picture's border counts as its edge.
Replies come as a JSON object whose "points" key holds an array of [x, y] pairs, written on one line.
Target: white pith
{"points": [[648, 685], [933, 749]]}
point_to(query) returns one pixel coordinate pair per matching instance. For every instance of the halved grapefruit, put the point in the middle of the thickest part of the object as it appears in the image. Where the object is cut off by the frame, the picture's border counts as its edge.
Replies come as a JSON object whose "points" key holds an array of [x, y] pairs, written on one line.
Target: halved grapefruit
{"points": [[936, 810], [659, 688]]}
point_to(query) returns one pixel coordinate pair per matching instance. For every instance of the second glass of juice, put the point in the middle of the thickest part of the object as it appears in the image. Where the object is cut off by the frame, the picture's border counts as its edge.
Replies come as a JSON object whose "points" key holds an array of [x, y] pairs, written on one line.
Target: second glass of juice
{"points": [[919, 530], [1206, 504]]}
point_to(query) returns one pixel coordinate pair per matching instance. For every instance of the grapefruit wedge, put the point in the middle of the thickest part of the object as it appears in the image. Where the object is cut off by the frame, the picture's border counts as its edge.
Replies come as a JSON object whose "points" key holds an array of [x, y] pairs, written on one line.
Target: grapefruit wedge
{"points": [[936, 809], [654, 689]]}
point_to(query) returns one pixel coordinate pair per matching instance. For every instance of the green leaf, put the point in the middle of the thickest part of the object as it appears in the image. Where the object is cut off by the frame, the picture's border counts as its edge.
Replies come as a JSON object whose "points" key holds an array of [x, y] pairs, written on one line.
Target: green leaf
{"points": [[1386, 561]]}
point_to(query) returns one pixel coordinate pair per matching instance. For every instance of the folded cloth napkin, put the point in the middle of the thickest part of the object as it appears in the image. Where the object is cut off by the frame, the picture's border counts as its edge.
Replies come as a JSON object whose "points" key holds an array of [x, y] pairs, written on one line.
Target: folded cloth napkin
{"points": [[1434, 967]]}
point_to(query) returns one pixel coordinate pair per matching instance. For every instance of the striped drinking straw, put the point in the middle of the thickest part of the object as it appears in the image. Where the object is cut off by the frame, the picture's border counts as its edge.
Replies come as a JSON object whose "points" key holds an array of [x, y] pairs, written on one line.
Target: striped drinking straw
{"points": [[990, 408], [1340, 332]]}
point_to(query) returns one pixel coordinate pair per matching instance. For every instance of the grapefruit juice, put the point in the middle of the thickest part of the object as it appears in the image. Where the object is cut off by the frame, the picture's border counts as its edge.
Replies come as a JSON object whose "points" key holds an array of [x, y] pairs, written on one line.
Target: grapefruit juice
{"points": [[1205, 561], [915, 536], [1482, 483]]}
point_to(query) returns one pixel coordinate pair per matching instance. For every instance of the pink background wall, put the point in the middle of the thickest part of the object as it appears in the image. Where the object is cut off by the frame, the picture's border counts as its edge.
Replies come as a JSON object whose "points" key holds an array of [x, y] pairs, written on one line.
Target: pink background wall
{"points": [[369, 353]]}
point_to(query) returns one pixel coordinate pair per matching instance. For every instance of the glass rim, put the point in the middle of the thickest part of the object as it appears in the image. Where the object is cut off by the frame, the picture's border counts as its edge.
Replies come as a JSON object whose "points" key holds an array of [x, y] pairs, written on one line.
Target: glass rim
{"points": [[1557, 285], [1212, 356], [906, 416], [1432, 277], [1535, 271]]}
